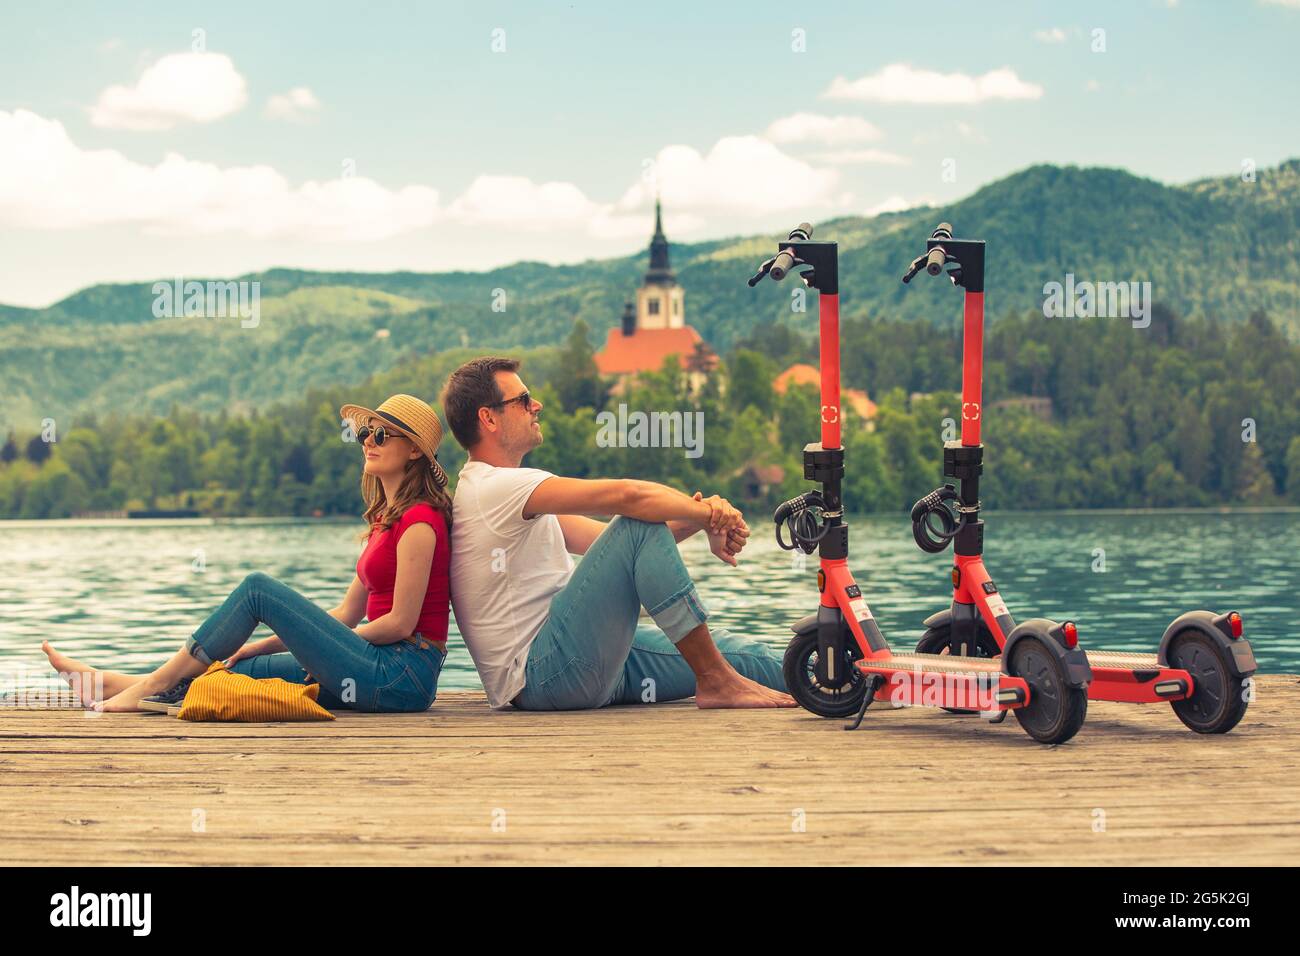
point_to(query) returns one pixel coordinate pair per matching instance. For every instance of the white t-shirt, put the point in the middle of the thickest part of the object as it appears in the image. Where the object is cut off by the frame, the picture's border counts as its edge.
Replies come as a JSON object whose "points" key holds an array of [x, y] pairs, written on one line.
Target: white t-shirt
{"points": [[504, 571]]}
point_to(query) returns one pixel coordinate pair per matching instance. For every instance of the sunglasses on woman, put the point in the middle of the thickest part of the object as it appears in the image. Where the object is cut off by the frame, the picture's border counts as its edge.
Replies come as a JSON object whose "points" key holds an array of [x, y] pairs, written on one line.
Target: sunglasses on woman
{"points": [[380, 435]]}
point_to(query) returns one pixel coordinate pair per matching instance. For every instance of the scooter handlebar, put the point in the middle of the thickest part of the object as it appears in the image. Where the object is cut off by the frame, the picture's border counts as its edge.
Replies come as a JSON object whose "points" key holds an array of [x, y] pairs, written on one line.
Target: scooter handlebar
{"points": [[785, 260]]}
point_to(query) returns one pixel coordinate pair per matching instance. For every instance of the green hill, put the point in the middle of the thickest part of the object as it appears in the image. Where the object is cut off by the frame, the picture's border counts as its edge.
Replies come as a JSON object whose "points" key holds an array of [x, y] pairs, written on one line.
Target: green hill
{"points": [[1220, 248]]}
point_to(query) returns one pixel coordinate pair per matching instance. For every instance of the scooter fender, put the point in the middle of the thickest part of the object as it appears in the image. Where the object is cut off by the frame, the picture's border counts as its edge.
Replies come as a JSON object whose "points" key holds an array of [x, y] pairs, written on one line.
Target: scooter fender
{"points": [[1236, 651], [1073, 660], [938, 619]]}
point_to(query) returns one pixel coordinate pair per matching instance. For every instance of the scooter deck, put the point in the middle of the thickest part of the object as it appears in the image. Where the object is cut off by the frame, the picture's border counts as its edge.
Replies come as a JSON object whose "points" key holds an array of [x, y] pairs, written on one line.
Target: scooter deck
{"points": [[1135, 678], [941, 680]]}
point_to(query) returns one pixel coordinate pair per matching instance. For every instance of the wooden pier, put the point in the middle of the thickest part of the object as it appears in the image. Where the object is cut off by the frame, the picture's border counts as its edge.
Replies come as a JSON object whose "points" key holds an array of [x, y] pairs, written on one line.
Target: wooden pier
{"points": [[650, 785]]}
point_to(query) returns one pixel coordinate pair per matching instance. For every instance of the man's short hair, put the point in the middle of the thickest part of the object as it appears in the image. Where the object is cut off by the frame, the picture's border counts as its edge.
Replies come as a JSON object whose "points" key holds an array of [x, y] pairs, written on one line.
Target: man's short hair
{"points": [[468, 389]]}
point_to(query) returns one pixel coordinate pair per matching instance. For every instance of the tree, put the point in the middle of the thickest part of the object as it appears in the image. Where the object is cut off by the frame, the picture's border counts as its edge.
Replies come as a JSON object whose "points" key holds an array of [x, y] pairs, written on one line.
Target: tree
{"points": [[38, 450], [577, 381], [750, 381]]}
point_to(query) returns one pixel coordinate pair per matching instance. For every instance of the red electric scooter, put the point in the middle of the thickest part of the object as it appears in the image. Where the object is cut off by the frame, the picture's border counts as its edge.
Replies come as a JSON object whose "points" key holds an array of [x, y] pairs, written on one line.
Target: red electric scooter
{"points": [[1202, 667], [839, 663]]}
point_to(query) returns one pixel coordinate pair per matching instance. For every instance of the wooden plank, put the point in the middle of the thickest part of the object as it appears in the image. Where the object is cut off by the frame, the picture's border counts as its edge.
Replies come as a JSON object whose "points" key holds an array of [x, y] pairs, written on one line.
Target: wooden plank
{"points": [[659, 785]]}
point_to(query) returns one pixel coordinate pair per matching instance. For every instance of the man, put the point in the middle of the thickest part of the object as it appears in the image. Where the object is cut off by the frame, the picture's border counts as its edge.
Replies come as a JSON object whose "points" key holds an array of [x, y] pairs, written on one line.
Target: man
{"points": [[545, 636]]}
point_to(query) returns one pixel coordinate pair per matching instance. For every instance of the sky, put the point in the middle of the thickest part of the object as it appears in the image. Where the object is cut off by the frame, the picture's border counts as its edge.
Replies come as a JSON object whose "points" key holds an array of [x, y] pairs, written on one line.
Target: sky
{"points": [[140, 141]]}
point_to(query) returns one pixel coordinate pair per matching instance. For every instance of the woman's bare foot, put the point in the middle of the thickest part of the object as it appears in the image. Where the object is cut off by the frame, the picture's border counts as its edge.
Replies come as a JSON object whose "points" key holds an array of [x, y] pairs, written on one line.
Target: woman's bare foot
{"points": [[127, 700], [78, 675], [64, 664], [732, 690]]}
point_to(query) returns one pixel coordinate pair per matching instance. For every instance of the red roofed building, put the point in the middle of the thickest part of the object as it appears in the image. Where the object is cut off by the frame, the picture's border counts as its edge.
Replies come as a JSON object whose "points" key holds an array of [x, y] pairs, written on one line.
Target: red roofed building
{"points": [[803, 374], [655, 327]]}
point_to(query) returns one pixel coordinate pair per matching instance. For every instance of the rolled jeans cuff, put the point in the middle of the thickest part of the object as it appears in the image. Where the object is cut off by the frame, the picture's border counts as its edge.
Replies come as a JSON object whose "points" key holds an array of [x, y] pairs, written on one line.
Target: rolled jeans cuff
{"points": [[195, 650], [681, 615]]}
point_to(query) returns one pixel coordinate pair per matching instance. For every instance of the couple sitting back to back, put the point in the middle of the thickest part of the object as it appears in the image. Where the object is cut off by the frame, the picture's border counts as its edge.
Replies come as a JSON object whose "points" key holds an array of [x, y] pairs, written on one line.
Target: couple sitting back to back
{"points": [[544, 634]]}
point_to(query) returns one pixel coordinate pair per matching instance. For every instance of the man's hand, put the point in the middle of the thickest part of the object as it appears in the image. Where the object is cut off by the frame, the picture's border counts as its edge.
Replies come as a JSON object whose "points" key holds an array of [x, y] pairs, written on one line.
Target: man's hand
{"points": [[727, 544], [722, 514]]}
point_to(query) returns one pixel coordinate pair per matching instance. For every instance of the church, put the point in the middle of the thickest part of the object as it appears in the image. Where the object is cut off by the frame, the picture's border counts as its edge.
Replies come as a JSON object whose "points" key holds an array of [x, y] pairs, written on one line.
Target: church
{"points": [[655, 327]]}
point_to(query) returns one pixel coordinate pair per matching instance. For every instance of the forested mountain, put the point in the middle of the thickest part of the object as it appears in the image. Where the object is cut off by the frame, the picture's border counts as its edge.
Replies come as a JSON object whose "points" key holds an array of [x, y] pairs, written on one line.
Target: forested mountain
{"points": [[1220, 248]]}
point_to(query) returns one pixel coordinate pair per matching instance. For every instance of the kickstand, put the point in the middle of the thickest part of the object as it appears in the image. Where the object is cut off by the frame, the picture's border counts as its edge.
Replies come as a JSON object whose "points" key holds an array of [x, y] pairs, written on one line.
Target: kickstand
{"points": [[1002, 715], [873, 681]]}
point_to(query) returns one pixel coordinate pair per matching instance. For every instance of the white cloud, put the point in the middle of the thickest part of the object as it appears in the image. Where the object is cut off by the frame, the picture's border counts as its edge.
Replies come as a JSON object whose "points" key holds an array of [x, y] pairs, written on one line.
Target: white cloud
{"points": [[828, 130], [48, 182], [519, 202], [894, 204], [738, 174], [1293, 4], [1054, 35], [858, 157], [902, 83], [1092, 86], [297, 106], [179, 88]]}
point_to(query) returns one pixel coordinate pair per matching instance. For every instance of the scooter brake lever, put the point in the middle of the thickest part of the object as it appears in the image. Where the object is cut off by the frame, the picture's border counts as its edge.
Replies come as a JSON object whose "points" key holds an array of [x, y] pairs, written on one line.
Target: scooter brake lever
{"points": [[763, 270]]}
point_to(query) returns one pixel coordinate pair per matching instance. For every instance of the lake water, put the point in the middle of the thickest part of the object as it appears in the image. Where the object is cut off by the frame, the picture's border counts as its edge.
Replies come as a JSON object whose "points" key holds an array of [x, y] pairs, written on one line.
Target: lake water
{"points": [[125, 594]]}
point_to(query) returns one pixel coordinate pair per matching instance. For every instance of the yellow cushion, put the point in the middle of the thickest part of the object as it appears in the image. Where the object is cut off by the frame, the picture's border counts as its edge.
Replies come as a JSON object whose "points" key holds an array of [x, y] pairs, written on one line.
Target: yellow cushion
{"points": [[220, 694]]}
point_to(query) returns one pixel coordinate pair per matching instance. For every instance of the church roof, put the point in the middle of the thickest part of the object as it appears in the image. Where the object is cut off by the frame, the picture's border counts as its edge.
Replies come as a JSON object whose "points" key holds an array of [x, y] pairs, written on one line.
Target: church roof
{"points": [[645, 350]]}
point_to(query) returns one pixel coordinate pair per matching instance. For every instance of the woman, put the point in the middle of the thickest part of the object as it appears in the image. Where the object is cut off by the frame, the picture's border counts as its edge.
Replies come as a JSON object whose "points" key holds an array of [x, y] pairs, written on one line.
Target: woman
{"points": [[390, 663]]}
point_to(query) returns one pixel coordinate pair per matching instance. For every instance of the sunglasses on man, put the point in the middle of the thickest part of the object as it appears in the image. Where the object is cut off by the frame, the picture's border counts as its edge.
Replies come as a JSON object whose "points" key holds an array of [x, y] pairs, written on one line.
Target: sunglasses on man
{"points": [[524, 399]]}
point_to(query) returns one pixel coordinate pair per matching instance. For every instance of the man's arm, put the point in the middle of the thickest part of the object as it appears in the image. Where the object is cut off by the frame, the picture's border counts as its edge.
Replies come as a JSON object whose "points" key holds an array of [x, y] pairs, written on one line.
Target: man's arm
{"points": [[645, 500], [580, 532]]}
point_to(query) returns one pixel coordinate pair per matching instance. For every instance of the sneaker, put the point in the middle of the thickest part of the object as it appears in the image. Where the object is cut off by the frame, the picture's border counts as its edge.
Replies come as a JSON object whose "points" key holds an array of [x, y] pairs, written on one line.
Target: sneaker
{"points": [[158, 703]]}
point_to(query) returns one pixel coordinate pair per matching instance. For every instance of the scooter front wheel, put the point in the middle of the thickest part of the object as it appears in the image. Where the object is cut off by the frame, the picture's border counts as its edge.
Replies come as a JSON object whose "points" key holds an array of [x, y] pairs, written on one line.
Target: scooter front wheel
{"points": [[1219, 697], [1056, 710], [800, 668]]}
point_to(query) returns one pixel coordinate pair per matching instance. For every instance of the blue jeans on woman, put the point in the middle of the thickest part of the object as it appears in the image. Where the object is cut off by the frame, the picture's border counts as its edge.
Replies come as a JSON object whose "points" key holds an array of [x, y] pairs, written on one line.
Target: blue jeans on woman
{"points": [[590, 653], [353, 673]]}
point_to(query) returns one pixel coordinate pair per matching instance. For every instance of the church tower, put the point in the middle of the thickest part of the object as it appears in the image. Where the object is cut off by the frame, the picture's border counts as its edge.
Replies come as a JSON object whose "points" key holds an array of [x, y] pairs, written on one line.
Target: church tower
{"points": [[659, 301], [654, 327]]}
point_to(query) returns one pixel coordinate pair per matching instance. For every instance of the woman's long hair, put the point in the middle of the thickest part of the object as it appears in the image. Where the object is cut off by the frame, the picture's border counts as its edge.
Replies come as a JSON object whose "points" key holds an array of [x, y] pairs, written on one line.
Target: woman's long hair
{"points": [[417, 485]]}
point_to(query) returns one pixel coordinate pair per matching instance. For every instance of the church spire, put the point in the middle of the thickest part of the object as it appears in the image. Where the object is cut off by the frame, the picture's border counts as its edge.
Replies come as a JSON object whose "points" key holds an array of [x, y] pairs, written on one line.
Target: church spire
{"points": [[660, 271]]}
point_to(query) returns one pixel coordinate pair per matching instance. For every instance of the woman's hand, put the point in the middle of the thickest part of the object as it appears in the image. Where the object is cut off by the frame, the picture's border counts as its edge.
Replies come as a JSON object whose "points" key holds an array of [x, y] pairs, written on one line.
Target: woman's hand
{"points": [[255, 649]]}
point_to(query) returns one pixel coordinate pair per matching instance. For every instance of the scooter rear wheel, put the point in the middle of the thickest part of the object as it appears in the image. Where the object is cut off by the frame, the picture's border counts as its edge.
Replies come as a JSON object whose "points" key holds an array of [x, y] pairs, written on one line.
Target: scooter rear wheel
{"points": [[1056, 710], [1218, 701], [799, 667]]}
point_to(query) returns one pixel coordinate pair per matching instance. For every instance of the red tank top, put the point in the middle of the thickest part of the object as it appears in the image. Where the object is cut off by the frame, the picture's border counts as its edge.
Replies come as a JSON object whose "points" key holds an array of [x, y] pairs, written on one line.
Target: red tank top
{"points": [[377, 569]]}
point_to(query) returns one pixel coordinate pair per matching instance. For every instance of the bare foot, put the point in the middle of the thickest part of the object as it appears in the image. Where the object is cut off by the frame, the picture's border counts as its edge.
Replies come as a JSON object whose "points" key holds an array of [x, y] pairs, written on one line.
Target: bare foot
{"points": [[65, 665], [734, 691], [125, 702]]}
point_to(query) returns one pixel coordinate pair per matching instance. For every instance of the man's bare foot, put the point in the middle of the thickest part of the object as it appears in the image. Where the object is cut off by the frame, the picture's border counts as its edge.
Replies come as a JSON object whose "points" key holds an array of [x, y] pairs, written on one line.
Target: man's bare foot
{"points": [[732, 690]]}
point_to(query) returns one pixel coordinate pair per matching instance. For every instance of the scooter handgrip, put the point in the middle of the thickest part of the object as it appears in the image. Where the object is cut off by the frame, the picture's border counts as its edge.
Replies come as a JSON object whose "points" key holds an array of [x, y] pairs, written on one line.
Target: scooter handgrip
{"points": [[934, 261], [783, 264]]}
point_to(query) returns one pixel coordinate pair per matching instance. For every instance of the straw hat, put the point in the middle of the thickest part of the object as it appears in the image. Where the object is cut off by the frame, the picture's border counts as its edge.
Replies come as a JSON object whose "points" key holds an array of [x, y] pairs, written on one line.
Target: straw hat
{"points": [[406, 415]]}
